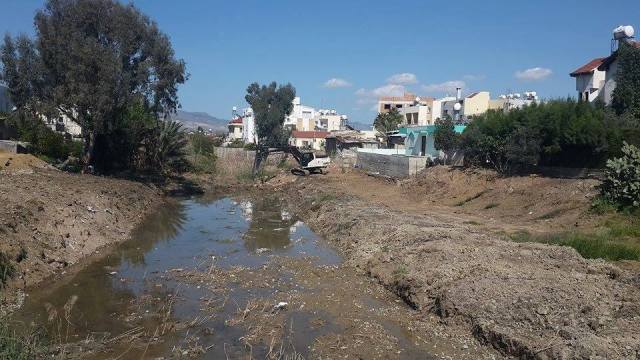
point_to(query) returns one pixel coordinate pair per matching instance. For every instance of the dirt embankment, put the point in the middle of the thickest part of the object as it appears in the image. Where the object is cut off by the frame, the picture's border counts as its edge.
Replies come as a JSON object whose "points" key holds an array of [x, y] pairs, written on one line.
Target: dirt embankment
{"points": [[50, 220], [526, 300]]}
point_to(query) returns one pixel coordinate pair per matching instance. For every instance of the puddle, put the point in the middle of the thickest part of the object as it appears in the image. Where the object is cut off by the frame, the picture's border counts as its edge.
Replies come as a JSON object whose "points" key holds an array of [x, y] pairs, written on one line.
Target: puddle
{"points": [[130, 291]]}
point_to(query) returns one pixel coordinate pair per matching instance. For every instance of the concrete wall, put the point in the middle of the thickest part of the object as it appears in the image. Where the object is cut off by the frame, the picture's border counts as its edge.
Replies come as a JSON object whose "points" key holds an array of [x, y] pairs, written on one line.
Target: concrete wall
{"points": [[234, 153], [14, 147], [396, 166]]}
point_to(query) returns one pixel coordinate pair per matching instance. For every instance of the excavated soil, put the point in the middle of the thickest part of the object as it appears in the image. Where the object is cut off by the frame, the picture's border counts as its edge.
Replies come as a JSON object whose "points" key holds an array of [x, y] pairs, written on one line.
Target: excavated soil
{"points": [[526, 300], [50, 220]]}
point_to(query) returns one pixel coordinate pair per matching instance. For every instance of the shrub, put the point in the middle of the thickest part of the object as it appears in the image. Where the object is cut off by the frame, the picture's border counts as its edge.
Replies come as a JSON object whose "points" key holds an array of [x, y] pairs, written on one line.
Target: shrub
{"points": [[201, 153], [250, 147], [622, 182]]}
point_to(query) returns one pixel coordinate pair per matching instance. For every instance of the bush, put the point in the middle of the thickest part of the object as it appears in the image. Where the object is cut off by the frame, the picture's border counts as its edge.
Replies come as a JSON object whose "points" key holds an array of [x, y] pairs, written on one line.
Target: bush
{"points": [[201, 154], [250, 146], [622, 182], [556, 133]]}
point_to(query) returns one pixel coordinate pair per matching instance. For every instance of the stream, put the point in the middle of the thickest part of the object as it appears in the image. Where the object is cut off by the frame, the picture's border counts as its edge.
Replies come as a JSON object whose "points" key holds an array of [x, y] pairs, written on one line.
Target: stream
{"points": [[129, 292]]}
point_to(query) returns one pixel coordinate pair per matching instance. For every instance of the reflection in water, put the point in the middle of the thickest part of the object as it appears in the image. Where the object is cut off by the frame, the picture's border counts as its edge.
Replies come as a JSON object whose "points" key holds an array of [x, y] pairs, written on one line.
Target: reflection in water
{"points": [[161, 226], [269, 229]]}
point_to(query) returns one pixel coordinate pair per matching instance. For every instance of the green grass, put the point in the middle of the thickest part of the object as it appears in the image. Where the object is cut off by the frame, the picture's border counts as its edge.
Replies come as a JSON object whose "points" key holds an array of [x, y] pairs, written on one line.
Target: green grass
{"points": [[618, 239], [19, 347], [469, 199]]}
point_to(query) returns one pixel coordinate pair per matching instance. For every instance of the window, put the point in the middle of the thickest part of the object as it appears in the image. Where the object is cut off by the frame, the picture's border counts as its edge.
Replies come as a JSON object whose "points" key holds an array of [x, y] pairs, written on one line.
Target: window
{"points": [[399, 106], [387, 106]]}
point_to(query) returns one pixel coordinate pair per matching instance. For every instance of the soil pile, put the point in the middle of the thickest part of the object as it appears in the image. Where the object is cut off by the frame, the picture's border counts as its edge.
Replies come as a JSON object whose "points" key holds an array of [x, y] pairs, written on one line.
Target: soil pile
{"points": [[20, 163], [526, 300], [514, 199], [50, 219]]}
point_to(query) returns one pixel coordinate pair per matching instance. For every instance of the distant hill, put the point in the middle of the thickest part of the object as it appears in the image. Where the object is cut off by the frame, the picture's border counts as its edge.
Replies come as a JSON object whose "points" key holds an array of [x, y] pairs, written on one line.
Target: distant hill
{"points": [[192, 120]]}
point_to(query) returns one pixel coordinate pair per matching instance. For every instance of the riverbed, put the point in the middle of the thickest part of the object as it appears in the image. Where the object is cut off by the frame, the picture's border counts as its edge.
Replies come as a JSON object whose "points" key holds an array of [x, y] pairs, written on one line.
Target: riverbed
{"points": [[227, 277]]}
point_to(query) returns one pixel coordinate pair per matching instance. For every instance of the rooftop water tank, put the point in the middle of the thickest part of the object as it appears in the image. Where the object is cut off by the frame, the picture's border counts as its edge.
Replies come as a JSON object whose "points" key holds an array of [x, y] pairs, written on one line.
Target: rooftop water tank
{"points": [[623, 32]]}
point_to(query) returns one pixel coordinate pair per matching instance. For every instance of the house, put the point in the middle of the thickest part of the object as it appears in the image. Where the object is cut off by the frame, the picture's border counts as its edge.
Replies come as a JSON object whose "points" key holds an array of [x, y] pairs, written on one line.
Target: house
{"points": [[302, 118], [597, 78], [386, 103], [589, 80], [420, 141], [350, 139], [235, 129], [475, 104], [314, 140], [419, 113]]}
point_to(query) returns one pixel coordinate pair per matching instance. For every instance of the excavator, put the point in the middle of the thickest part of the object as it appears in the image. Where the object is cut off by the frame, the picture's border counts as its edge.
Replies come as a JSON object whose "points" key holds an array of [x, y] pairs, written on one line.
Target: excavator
{"points": [[309, 162]]}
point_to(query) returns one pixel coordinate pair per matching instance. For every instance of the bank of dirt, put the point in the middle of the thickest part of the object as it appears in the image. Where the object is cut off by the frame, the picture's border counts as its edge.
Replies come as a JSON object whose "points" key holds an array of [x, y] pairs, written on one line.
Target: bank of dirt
{"points": [[51, 220], [526, 300]]}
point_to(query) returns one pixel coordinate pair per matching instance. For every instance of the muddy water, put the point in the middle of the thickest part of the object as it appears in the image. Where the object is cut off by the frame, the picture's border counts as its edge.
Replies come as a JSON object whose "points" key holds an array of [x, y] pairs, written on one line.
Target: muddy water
{"points": [[127, 304]]}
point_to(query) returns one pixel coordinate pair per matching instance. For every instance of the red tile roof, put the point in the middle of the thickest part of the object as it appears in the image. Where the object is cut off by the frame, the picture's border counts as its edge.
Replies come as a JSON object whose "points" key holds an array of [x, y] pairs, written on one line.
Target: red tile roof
{"points": [[588, 67], [309, 134], [236, 121]]}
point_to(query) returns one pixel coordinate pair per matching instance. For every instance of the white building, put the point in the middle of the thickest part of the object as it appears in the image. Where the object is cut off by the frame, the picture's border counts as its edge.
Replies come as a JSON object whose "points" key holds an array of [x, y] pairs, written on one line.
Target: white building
{"points": [[597, 78], [302, 118], [418, 114]]}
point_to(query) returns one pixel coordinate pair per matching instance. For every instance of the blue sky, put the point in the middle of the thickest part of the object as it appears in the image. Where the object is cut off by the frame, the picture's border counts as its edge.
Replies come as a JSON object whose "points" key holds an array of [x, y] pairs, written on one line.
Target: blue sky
{"points": [[486, 45]]}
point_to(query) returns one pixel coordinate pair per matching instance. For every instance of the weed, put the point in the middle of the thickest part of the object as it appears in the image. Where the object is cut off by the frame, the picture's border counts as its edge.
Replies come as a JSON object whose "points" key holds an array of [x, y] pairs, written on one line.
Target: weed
{"points": [[7, 270], [601, 206], [491, 206], [472, 222], [400, 271], [607, 244], [19, 347], [22, 255], [385, 248], [551, 214], [469, 199]]}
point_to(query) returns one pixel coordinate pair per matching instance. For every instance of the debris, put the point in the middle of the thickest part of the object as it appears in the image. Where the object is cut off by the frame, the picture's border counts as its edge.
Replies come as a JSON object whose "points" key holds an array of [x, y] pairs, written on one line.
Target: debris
{"points": [[281, 305], [262, 250]]}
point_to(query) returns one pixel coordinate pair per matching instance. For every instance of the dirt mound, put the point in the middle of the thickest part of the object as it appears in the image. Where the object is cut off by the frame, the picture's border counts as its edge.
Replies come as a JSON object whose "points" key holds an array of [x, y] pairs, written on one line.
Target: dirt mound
{"points": [[527, 300], [533, 199], [50, 219], [21, 163]]}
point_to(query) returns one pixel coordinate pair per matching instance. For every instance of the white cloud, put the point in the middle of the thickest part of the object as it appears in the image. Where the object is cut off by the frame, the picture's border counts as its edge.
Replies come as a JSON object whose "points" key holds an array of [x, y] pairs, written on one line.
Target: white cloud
{"points": [[336, 83], [445, 87], [476, 77], [370, 96], [403, 79], [534, 74]]}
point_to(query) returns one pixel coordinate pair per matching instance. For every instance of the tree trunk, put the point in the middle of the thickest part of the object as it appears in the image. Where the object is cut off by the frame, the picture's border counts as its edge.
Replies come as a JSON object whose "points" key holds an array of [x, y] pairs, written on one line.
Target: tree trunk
{"points": [[89, 149], [261, 157]]}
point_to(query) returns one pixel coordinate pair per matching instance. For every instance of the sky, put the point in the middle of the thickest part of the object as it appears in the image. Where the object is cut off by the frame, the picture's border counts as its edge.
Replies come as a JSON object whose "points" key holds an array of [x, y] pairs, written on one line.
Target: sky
{"points": [[344, 54]]}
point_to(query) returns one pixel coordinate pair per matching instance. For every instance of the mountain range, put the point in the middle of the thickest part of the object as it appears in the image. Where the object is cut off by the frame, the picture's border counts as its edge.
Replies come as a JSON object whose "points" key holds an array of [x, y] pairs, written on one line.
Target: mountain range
{"points": [[191, 120]]}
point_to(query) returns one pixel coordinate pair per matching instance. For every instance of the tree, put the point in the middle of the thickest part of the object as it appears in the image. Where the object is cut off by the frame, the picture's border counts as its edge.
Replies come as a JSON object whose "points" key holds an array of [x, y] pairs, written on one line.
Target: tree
{"points": [[97, 57], [626, 95], [386, 122], [445, 137], [271, 104]]}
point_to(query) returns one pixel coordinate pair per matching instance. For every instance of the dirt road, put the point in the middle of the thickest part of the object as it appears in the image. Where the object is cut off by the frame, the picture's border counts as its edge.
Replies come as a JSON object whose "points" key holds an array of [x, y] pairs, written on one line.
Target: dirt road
{"points": [[526, 300], [50, 220]]}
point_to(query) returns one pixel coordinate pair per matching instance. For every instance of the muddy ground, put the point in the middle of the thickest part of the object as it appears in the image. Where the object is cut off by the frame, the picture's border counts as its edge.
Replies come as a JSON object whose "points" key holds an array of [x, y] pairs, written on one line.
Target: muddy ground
{"points": [[526, 300], [51, 220]]}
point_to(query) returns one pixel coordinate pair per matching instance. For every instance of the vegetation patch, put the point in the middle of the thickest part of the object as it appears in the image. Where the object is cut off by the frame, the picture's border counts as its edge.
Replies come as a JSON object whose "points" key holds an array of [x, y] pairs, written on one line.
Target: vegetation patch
{"points": [[469, 199], [551, 214], [18, 347], [491, 206], [7, 270], [619, 239]]}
